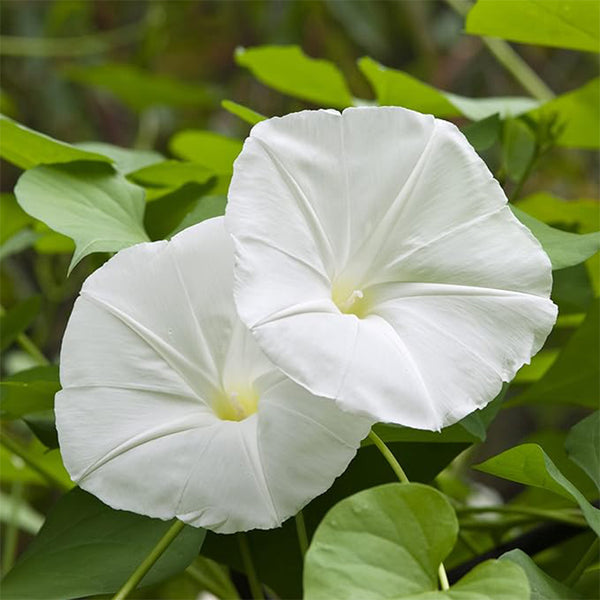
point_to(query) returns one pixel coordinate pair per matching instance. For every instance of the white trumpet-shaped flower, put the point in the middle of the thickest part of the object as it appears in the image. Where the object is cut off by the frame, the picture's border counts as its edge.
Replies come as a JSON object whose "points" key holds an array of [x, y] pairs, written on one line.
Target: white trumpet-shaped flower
{"points": [[378, 264], [169, 408]]}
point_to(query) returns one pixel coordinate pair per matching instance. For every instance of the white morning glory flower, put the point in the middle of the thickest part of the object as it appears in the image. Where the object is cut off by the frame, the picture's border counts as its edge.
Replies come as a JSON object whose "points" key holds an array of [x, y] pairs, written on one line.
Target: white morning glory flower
{"points": [[169, 408], [377, 263]]}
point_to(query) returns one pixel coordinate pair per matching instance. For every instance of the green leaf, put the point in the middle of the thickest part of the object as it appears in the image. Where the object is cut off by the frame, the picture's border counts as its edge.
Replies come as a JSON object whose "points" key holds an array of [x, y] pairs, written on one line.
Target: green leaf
{"points": [[126, 160], [16, 320], [397, 88], [536, 369], [211, 150], [87, 548], [171, 173], [483, 134], [96, 207], [213, 577], [139, 89], [559, 23], [543, 587], [18, 242], [14, 218], [518, 148], [26, 148], [243, 112], [164, 214], [585, 214], [205, 208], [583, 446], [564, 249], [574, 377], [13, 468], [388, 542], [530, 465], [288, 70], [276, 553], [578, 113], [29, 391]]}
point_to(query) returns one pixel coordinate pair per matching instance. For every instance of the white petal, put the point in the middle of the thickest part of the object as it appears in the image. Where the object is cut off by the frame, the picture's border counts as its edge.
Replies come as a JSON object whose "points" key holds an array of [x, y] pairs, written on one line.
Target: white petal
{"points": [[152, 341], [370, 202]]}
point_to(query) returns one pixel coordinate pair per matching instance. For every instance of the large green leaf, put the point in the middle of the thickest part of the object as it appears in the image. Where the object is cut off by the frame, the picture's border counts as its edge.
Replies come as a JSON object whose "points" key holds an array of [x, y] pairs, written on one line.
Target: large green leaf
{"points": [[29, 391], [561, 23], [140, 89], [96, 207], [543, 587], [87, 548], [577, 113], [288, 70], [276, 553], [206, 207], [530, 465], [583, 446], [26, 148], [211, 150], [397, 88], [565, 249], [17, 319], [518, 148], [574, 377], [388, 542]]}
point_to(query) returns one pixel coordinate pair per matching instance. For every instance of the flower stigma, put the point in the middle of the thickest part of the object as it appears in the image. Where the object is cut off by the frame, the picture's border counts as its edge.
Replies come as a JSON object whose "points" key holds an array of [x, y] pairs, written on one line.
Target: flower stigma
{"points": [[237, 404], [350, 300]]}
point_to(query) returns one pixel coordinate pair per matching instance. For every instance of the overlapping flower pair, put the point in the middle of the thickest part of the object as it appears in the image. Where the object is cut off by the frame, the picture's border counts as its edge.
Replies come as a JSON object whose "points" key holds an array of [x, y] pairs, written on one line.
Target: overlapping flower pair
{"points": [[378, 275]]}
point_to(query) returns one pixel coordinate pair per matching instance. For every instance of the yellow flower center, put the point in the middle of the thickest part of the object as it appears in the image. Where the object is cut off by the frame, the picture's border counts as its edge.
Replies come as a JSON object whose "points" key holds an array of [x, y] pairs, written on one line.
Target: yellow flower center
{"points": [[350, 300], [237, 404]]}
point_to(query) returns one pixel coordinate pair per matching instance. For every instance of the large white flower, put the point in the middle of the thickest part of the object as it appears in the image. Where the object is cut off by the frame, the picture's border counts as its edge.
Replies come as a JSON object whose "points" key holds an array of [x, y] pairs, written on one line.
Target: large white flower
{"points": [[378, 264], [169, 408]]}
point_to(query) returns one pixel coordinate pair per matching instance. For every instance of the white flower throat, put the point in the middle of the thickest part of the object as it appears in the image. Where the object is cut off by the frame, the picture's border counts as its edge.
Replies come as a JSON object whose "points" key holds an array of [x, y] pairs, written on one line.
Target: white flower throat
{"points": [[236, 404], [350, 300]]}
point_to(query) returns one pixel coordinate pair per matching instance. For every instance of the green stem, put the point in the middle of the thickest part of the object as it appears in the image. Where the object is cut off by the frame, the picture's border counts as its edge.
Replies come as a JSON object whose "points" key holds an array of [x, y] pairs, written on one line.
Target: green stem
{"points": [[11, 534], [255, 585], [387, 454], [544, 515], [589, 557], [149, 561], [509, 59], [28, 345], [31, 460], [301, 531]]}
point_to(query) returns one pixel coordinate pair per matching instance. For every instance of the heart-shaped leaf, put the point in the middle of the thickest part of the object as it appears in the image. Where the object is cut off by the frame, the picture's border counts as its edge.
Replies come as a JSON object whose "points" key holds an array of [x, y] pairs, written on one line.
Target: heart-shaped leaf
{"points": [[583, 446], [387, 543]]}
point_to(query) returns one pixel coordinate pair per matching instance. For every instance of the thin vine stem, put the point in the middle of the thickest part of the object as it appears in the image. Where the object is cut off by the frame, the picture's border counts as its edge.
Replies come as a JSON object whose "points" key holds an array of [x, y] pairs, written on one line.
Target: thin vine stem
{"points": [[561, 516], [149, 561], [301, 531], [387, 454], [11, 534], [399, 471], [255, 585]]}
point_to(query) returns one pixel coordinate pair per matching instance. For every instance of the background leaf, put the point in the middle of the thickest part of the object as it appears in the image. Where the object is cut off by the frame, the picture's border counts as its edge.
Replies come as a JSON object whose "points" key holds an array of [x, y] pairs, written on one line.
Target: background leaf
{"points": [[17, 319], [243, 112], [562, 23], [28, 392], [288, 70], [27, 148], [99, 209], [543, 587], [564, 249], [87, 548], [529, 464], [583, 446], [211, 150]]}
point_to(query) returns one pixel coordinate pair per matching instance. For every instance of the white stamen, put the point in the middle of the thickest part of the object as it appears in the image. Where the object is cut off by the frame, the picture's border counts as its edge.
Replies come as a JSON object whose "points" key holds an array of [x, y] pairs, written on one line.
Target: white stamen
{"points": [[351, 299]]}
